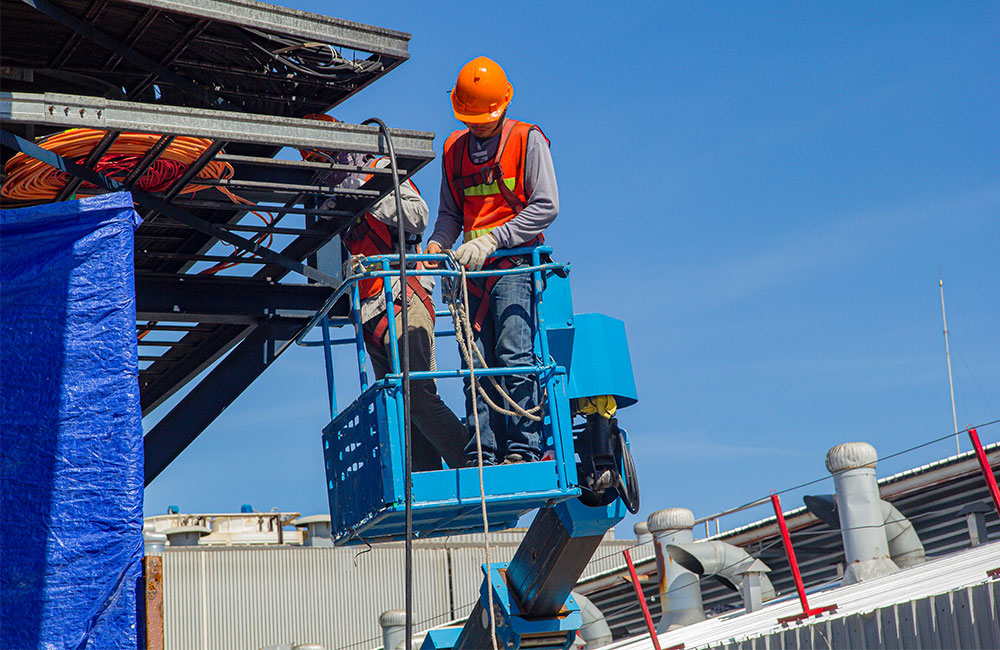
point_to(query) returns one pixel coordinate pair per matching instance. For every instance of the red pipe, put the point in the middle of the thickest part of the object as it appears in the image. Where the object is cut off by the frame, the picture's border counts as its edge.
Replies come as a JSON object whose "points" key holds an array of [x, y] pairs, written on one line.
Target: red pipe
{"points": [[642, 600], [984, 465]]}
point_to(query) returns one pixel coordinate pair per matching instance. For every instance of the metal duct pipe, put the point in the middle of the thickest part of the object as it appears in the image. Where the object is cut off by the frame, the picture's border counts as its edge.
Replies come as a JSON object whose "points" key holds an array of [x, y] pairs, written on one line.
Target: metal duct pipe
{"points": [[905, 547], [860, 512], [727, 563], [680, 591], [393, 624], [594, 630], [642, 534]]}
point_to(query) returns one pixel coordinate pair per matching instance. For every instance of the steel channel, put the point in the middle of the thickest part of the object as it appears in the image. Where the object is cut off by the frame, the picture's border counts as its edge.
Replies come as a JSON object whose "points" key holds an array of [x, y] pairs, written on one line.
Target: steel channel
{"points": [[95, 154], [305, 164], [286, 188], [147, 160], [58, 110], [277, 19], [287, 209]]}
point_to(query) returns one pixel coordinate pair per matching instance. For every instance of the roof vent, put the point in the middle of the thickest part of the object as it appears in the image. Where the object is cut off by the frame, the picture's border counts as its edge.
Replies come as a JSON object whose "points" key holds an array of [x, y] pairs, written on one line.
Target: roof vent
{"points": [[186, 535], [859, 510], [642, 534], [318, 530], [680, 591]]}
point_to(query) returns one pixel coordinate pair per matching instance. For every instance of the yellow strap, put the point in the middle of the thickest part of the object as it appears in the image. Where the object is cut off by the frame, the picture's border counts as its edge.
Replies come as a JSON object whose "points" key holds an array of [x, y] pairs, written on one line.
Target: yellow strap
{"points": [[603, 405]]}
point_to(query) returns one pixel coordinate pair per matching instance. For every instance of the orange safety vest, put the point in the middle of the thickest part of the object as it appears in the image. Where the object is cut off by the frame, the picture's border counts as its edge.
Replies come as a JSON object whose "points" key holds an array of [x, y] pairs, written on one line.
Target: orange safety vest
{"points": [[486, 203], [368, 237]]}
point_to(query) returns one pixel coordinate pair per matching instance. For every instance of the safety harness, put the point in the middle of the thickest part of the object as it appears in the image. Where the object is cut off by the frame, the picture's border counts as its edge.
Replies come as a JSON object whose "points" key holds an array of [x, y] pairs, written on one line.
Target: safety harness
{"points": [[489, 173], [367, 236]]}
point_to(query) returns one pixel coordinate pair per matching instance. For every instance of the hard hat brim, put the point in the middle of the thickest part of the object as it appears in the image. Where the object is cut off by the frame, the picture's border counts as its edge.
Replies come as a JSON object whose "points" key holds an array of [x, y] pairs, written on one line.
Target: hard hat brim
{"points": [[481, 118]]}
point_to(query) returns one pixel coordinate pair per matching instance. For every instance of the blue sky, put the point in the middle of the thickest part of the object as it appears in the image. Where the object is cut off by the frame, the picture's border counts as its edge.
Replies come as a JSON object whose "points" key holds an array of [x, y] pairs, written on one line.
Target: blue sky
{"points": [[763, 193]]}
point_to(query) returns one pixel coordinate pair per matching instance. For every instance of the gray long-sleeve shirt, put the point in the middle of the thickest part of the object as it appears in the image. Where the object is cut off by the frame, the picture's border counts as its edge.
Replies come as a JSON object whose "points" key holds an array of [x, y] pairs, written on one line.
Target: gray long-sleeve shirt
{"points": [[415, 217], [540, 188]]}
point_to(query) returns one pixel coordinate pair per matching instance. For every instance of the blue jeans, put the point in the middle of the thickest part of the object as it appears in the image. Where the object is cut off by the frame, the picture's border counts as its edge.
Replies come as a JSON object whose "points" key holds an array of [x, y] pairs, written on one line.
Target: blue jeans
{"points": [[505, 340]]}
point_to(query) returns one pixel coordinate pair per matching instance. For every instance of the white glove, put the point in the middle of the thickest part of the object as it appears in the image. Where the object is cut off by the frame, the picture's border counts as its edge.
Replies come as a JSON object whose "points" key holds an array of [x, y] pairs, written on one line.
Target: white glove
{"points": [[472, 255]]}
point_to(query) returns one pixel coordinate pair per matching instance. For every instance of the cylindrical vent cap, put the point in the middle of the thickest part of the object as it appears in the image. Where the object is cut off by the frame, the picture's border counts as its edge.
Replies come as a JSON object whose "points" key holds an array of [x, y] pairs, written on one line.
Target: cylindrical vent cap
{"points": [[670, 519], [850, 455], [640, 529], [392, 618]]}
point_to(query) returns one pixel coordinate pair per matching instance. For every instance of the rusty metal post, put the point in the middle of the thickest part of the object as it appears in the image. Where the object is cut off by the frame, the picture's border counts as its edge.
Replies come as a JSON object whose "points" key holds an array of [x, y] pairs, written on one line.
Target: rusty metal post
{"points": [[152, 579]]}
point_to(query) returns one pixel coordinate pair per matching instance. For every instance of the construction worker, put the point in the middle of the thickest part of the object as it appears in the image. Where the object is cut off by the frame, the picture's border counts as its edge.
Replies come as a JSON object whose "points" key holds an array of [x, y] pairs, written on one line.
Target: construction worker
{"points": [[436, 432], [491, 216]]}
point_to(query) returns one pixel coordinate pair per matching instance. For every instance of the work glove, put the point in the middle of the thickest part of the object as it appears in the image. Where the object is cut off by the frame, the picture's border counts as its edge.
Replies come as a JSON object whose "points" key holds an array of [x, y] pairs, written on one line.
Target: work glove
{"points": [[472, 255]]}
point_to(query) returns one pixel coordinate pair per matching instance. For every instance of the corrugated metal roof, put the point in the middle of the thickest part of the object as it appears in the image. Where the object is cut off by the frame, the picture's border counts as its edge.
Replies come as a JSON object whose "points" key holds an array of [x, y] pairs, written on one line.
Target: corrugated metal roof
{"points": [[937, 576], [930, 496]]}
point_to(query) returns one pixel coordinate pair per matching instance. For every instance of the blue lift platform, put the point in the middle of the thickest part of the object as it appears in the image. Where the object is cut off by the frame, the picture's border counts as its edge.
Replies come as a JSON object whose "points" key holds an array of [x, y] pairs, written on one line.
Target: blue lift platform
{"points": [[578, 355]]}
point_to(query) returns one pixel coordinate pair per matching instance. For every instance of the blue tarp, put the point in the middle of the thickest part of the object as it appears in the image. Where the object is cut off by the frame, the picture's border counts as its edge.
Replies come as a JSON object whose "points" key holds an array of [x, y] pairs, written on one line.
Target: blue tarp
{"points": [[71, 479]]}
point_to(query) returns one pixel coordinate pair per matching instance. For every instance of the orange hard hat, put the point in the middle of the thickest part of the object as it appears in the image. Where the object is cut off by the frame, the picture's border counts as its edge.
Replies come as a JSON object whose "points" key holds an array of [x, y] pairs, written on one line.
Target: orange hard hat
{"points": [[310, 154], [482, 92]]}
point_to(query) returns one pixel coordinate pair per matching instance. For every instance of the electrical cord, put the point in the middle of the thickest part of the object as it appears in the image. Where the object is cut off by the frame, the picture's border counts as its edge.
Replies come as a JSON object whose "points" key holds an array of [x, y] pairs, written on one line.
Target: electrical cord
{"points": [[28, 179], [312, 58]]}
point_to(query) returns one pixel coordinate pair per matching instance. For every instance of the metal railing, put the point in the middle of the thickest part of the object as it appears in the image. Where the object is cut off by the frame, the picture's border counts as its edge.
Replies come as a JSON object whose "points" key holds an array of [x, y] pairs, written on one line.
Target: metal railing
{"points": [[381, 267]]}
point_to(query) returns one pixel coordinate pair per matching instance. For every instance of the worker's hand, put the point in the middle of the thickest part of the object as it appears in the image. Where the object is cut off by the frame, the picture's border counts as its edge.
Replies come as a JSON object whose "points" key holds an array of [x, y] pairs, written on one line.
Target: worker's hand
{"points": [[433, 248], [472, 255]]}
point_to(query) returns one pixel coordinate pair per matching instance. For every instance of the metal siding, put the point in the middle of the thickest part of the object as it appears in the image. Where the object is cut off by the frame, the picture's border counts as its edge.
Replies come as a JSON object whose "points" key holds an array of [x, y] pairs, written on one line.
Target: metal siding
{"points": [[986, 618], [238, 598]]}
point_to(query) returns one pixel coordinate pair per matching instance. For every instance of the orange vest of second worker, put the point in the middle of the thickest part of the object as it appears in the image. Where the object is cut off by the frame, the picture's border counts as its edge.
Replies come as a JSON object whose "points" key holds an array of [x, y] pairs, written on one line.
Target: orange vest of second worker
{"points": [[476, 188], [368, 237]]}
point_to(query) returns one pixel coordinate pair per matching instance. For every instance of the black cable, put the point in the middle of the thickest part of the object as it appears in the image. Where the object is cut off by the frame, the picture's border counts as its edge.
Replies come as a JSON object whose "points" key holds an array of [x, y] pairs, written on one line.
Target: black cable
{"points": [[404, 364], [629, 485]]}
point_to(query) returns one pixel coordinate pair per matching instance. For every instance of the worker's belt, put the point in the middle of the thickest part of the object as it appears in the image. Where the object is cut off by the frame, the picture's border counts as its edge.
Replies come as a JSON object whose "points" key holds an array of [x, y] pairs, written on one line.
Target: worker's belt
{"points": [[376, 335]]}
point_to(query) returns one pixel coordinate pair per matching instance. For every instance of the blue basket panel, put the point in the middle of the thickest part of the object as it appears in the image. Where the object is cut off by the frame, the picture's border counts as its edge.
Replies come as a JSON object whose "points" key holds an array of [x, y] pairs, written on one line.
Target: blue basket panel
{"points": [[447, 502], [354, 463], [595, 352]]}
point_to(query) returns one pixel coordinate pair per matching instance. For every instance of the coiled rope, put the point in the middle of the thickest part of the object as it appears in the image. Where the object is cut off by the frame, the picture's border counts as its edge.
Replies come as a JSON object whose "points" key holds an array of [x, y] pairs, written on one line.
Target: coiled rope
{"points": [[457, 297]]}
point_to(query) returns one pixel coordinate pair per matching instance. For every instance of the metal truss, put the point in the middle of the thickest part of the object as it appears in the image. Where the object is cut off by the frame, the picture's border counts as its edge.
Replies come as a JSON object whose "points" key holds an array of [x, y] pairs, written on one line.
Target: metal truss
{"points": [[189, 321], [239, 73]]}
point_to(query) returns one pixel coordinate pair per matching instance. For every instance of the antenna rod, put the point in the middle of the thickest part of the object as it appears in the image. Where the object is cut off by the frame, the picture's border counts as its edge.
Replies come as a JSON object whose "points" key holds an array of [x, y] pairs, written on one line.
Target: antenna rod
{"points": [[947, 354]]}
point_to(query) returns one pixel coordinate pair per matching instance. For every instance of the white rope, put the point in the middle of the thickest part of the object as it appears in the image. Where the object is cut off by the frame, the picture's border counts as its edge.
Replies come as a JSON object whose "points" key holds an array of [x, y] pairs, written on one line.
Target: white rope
{"points": [[467, 330], [466, 345]]}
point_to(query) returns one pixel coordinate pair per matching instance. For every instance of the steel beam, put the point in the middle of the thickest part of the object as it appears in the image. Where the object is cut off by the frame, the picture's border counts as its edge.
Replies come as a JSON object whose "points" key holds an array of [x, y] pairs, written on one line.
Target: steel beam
{"points": [[215, 393], [95, 154], [90, 32], [273, 18], [171, 371], [65, 111], [172, 297]]}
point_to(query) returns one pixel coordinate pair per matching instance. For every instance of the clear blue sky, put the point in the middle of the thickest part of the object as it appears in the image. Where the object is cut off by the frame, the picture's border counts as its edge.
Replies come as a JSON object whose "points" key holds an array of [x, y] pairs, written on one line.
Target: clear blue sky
{"points": [[764, 193]]}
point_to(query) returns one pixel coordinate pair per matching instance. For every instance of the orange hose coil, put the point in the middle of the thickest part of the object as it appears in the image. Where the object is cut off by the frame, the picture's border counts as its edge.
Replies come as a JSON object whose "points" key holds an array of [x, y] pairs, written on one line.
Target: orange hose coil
{"points": [[28, 179]]}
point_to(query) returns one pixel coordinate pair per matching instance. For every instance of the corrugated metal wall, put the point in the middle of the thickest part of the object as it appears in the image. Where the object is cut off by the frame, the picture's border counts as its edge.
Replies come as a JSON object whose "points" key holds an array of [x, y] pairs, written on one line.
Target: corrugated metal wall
{"points": [[222, 598], [242, 598]]}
